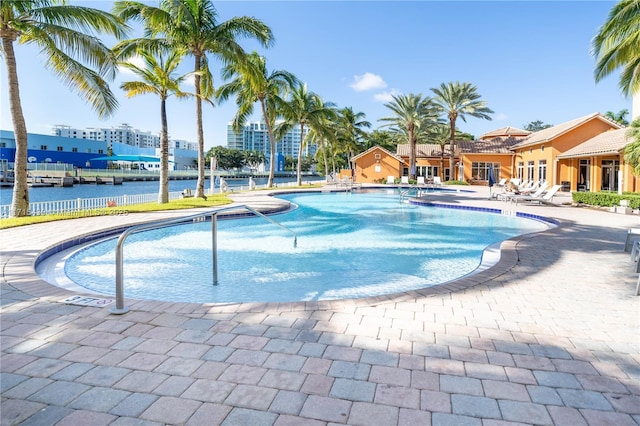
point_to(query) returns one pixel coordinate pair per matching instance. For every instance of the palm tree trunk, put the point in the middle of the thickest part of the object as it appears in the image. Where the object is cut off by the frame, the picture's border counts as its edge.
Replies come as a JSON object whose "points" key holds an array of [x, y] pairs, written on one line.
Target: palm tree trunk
{"points": [[452, 150], [272, 145], [200, 182], [324, 155], [412, 153], [163, 191], [20, 199], [299, 167]]}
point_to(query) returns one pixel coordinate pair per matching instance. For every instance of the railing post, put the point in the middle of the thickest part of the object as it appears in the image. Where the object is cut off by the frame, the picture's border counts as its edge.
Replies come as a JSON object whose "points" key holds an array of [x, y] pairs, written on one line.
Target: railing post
{"points": [[214, 246]]}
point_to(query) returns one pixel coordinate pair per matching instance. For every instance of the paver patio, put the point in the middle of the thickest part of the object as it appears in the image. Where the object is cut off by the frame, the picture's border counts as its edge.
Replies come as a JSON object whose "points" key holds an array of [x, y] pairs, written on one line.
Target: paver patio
{"points": [[549, 335]]}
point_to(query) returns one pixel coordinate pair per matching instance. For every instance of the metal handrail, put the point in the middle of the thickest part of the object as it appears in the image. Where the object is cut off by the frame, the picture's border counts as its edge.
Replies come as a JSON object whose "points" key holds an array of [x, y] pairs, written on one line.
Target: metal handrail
{"points": [[120, 308]]}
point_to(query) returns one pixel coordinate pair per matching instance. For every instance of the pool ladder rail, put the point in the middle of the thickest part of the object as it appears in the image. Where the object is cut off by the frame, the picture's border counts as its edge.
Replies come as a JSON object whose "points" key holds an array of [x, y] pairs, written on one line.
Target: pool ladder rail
{"points": [[120, 309]]}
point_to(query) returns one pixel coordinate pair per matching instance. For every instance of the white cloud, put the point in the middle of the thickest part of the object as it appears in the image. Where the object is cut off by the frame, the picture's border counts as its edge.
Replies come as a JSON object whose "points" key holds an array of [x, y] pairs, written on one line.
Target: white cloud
{"points": [[367, 81], [135, 60], [386, 96], [500, 116]]}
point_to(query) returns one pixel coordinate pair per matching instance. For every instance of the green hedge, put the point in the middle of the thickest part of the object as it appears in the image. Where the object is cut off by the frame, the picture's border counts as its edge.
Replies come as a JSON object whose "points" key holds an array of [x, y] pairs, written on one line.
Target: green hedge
{"points": [[607, 199]]}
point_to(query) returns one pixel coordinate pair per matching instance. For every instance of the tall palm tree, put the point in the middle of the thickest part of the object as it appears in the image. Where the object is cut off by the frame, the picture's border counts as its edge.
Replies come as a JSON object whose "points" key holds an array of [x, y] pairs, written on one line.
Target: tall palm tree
{"points": [[412, 112], [66, 37], [351, 131], [157, 79], [439, 135], [253, 83], [324, 135], [617, 45], [457, 100], [194, 26], [303, 108]]}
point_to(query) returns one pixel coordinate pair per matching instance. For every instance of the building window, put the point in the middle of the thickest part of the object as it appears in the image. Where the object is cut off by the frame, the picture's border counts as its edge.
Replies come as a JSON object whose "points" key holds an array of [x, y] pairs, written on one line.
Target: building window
{"points": [[60, 148], [480, 170], [520, 172], [43, 147], [542, 148], [74, 149], [100, 151], [542, 170], [89, 150], [530, 170]]}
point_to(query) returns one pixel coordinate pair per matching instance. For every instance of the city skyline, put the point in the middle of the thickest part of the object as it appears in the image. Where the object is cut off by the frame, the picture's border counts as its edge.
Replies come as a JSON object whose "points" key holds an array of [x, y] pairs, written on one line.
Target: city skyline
{"points": [[530, 61]]}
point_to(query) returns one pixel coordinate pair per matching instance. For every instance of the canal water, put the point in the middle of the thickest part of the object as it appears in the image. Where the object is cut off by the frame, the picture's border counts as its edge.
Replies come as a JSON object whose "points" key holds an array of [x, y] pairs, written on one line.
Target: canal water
{"points": [[131, 188]]}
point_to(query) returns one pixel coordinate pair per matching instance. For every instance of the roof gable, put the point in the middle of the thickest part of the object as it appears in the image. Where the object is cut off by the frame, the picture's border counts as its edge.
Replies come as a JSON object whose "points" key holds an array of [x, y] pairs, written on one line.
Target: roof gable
{"points": [[376, 148], [610, 142], [550, 133], [505, 132]]}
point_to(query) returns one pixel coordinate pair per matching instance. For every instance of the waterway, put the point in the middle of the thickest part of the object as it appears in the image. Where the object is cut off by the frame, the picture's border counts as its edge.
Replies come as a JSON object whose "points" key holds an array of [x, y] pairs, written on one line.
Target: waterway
{"points": [[130, 188]]}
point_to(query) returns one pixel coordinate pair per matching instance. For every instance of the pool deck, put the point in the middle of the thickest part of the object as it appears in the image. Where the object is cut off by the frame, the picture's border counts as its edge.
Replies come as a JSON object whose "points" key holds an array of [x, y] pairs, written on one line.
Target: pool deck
{"points": [[549, 335]]}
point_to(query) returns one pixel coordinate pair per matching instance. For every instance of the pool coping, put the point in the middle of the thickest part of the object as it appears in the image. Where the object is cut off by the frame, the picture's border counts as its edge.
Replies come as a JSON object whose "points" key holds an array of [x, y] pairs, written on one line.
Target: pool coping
{"points": [[509, 257]]}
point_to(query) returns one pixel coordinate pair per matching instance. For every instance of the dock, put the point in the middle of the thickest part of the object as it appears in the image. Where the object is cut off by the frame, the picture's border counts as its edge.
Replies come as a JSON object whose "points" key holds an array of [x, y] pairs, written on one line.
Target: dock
{"points": [[98, 180], [40, 181]]}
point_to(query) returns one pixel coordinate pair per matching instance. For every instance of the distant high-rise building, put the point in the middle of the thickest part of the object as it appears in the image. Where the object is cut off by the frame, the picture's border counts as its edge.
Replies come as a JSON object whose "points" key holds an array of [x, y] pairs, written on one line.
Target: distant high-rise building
{"points": [[254, 137], [124, 133]]}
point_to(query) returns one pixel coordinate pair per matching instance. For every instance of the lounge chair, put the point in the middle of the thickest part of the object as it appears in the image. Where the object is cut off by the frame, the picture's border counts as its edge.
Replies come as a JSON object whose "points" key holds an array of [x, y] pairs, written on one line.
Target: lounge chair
{"points": [[404, 180], [507, 196], [391, 180], [437, 181], [421, 180], [632, 235], [502, 183], [544, 198]]}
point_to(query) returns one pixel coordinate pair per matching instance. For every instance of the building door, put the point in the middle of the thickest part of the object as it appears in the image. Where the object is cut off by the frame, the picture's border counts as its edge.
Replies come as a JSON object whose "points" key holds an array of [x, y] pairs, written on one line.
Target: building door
{"points": [[610, 175], [584, 171]]}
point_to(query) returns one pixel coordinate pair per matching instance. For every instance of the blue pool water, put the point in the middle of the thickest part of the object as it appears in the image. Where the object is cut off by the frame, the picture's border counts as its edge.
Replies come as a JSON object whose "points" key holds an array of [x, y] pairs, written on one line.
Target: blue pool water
{"points": [[349, 245]]}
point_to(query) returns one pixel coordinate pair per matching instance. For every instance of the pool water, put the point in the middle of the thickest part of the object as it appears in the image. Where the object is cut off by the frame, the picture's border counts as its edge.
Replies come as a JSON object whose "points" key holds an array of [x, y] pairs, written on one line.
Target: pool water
{"points": [[349, 245]]}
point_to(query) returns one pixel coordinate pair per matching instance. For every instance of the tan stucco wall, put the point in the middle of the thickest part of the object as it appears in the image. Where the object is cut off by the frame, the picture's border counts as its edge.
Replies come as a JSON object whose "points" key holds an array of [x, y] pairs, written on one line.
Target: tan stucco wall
{"points": [[370, 169]]}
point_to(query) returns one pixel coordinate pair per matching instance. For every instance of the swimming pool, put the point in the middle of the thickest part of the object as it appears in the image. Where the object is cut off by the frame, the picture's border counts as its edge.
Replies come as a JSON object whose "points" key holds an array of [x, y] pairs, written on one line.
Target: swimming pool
{"points": [[349, 245]]}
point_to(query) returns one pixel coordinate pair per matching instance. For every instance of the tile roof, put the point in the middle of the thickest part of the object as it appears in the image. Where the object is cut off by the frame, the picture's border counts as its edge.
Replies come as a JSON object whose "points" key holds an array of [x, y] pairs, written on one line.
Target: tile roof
{"points": [[553, 132], [611, 142], [494, 146], [505, 131]]}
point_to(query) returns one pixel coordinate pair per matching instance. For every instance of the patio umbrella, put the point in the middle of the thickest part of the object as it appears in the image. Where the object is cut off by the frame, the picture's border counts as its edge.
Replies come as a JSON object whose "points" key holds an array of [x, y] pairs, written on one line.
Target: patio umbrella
{"points": [[491, 179]]}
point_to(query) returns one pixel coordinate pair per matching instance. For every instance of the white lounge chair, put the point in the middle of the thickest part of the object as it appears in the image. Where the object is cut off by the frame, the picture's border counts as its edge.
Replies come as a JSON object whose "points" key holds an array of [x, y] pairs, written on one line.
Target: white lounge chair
{"points": [[544, 198], [391, 180], [633, 234], [404, 180], [507, 196], [437, 181], [420, 180]]}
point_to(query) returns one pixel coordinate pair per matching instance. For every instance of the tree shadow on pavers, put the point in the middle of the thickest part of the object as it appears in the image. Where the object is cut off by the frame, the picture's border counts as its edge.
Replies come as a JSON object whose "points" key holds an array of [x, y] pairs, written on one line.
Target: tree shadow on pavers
{"points": [[578, 256]]}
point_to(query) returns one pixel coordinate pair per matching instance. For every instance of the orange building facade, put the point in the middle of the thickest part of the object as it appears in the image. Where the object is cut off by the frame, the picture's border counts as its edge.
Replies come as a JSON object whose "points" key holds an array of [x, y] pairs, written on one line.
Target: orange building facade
{"points": [[585, 154]]}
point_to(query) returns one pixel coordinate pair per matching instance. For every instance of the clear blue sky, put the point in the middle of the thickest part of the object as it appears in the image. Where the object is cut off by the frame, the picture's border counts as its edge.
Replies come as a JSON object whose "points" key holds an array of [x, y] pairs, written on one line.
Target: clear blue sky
{"points": [[529, 60]]}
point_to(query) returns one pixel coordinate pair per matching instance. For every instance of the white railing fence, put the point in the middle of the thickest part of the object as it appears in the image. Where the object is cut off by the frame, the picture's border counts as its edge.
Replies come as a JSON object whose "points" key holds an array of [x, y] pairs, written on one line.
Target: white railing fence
{"points": [[73, 207], [87, 205]]}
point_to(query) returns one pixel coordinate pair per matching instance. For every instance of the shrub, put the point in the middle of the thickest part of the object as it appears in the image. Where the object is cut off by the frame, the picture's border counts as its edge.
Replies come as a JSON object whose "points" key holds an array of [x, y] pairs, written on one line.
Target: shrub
{"points": [[606, 198], [456, 182]]}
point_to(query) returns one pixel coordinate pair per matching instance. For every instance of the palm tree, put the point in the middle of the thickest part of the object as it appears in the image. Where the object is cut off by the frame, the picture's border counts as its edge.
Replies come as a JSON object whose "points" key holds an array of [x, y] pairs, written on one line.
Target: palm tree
{"points": [[157, 79], [194, 26], [412, 112], [303, 108], [63, 33], [351, 133], [439, 135], [252, 83], [619, 117], [457, 100], [632, 151], [324, 135], [616, 45]]}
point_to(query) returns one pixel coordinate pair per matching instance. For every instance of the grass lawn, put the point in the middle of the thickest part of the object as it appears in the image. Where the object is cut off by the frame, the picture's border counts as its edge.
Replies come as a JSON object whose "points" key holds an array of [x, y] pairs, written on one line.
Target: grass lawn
{"points": [[182, 203]]}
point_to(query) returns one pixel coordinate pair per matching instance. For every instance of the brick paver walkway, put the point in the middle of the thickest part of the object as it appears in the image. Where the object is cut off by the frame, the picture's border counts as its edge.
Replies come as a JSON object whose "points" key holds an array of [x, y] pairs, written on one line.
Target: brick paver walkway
{"points": [[550, 335]]}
